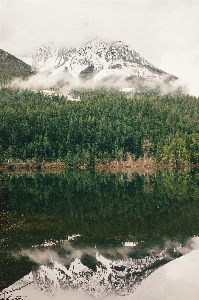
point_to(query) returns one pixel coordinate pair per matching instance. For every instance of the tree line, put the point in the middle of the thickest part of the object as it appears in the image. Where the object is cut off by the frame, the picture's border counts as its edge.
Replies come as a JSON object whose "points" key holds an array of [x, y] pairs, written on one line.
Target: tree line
{"points": [[105, 125]]}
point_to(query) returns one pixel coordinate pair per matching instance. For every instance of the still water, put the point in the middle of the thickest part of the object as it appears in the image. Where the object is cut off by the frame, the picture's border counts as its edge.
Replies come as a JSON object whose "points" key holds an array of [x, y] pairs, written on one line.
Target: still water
{"points": [[97, 234]]}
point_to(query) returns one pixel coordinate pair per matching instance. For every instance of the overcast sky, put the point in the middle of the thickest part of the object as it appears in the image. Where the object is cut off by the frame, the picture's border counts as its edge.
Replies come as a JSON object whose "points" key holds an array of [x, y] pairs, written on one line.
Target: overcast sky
{"points": [[166, 33]]}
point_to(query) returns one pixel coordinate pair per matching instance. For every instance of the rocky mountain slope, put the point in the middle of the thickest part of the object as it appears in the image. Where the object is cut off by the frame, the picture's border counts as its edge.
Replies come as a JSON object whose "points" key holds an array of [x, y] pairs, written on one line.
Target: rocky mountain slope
{"points": [[96, 60]]}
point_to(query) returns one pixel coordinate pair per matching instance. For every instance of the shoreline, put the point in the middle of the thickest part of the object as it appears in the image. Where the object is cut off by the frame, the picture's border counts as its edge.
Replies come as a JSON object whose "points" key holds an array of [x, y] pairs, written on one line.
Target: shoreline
{"points": [[32, 167], [140, 166]]}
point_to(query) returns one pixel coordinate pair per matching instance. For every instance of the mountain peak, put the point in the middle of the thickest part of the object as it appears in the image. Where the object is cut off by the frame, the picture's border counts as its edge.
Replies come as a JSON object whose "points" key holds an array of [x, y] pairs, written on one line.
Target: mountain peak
{"points": [[48, 44], [95, 44], [95, 40], [120, 43], [48, 49], [95, 60]]}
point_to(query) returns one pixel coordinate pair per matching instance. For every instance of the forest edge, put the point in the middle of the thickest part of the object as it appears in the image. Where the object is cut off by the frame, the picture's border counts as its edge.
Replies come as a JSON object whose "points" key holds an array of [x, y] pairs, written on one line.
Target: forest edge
{"points": [[139, 166]]}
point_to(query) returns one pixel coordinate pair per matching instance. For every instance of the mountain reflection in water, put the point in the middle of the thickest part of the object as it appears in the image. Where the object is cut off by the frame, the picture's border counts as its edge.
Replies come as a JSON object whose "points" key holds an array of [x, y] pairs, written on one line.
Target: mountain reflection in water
{"points": [[101, 233], [111, 276]]}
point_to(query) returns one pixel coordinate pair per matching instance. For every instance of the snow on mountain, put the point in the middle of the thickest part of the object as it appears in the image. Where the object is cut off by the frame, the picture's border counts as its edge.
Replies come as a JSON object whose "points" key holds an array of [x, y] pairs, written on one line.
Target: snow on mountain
{"points": [[47, 58], [96, 60]]}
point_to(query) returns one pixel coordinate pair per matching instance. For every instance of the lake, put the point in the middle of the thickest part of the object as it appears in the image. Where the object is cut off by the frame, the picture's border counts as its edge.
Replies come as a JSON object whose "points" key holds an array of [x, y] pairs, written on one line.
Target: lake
{"points": [[94, 234]]}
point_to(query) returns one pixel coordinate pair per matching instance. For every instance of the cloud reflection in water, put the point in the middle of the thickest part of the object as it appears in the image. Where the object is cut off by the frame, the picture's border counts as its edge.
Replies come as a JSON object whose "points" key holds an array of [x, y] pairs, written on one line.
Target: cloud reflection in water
{"points": [[112, 277]]}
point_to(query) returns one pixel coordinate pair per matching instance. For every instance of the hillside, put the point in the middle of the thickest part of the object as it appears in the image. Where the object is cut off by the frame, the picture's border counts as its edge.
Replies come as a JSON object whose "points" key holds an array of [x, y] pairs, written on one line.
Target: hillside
{"points": [[103, 126], [12, 67]]}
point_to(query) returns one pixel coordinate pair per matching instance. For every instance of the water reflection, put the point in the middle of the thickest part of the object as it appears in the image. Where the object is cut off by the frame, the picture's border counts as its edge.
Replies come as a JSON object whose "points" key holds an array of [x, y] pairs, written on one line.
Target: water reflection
{"points": [[110, 231], [111, 276], [90, 271]]}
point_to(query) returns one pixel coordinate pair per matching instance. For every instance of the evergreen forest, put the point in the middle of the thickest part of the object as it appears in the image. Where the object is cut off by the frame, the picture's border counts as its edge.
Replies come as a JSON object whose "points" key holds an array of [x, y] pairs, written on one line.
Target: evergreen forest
{"points": [[12, 67], [105, 125]]}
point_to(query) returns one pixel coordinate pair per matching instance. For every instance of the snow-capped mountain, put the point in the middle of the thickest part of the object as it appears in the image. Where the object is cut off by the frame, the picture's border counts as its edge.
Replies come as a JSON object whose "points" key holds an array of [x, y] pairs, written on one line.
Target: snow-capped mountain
{"points": [[96, 60]]}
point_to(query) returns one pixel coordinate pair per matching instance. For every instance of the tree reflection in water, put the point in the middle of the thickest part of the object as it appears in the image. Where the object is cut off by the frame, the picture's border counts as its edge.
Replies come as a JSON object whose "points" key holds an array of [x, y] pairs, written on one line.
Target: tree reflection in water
{"points": [[107, 210]]}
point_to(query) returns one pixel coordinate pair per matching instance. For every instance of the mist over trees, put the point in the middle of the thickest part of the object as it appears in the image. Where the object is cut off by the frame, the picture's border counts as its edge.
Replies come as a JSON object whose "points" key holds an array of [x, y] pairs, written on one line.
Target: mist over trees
{"points": [[105, 125]]}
